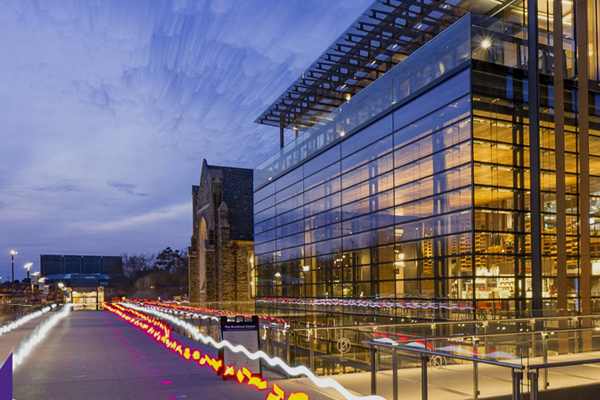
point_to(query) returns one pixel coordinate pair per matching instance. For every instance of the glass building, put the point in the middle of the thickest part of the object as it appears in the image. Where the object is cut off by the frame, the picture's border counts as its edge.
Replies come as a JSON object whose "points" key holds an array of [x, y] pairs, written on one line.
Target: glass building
{"points": [[439, 177]]}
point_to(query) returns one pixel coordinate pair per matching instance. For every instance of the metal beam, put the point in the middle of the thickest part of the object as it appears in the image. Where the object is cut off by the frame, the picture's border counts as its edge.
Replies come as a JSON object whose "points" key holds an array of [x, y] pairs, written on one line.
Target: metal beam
{"points": [[534, 157]]}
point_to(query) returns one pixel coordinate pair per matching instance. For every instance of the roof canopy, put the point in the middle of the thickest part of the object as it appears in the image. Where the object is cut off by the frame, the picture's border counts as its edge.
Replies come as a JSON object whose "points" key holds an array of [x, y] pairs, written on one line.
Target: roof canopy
{"points": [[383, 36]]}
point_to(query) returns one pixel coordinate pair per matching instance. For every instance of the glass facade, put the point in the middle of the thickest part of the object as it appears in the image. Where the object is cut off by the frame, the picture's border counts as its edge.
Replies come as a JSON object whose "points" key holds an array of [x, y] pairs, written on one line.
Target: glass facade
{"points": [[422, 208]]}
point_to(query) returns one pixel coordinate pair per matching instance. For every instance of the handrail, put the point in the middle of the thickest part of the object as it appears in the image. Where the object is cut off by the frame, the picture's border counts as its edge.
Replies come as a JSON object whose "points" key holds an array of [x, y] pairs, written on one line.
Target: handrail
{"points": [[428, 324], [493, 334], [439, 353], [420, 324], [564, 363]]}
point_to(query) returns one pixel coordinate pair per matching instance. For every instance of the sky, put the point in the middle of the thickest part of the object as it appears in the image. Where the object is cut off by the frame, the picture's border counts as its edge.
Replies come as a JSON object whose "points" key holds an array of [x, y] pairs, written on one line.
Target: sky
{"points": [[108, 107]]}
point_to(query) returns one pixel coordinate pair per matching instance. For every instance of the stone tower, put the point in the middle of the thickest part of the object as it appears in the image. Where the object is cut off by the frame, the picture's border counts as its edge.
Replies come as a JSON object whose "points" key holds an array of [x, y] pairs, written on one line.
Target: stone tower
{"points": [[221, 251]]}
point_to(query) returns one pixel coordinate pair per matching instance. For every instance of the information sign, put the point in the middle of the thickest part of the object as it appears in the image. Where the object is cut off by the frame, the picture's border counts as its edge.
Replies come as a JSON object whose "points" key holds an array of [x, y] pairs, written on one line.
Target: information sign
{"points": [[242, 331]]}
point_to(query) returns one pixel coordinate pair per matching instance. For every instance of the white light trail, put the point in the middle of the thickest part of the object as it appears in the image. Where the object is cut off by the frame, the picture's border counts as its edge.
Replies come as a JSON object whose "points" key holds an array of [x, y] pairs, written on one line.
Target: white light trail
{"points": [[15, 324], [292, 371], [38, 335], [184, 313]]}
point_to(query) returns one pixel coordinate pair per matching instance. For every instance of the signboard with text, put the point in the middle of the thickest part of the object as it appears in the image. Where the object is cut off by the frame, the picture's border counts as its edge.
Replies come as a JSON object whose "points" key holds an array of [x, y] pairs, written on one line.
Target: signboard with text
{"points": [[243, 331]]}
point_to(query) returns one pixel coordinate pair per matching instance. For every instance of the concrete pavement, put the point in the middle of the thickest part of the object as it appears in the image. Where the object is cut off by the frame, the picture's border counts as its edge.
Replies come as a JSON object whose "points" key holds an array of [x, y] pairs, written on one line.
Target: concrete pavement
{"points": [[96, 355]]}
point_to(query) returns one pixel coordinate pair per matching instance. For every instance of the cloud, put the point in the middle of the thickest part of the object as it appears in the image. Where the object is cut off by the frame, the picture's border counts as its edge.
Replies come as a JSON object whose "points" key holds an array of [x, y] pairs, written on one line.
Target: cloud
{"points": [[143, 221], [130, 97], [58, 188], [126, 188]]}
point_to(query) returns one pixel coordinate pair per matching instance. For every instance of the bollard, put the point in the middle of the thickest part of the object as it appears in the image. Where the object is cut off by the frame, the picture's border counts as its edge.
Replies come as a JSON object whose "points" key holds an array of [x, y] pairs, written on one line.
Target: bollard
{"points": [[373, 371], [533, 377]]}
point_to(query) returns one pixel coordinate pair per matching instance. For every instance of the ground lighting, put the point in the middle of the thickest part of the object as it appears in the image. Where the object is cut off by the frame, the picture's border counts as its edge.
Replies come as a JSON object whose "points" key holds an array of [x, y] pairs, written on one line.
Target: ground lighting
{"points": [[15, 324], [292, 371], [162, 334], [40, 333]]}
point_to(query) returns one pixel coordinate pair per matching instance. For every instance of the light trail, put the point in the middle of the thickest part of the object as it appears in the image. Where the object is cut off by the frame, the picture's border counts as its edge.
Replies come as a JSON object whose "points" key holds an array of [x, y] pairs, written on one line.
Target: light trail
{"points": [[38, 335], [15, 324], [370, 303], [292, 371]]}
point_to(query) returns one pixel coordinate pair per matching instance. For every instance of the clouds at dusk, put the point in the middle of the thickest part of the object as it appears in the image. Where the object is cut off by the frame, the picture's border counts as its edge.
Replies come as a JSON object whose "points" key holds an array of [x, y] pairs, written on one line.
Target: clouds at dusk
{"points": [[107, 109]]}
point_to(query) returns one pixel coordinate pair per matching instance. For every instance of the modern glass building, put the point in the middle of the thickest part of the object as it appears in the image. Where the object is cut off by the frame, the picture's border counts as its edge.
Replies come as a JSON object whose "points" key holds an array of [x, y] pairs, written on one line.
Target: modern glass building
{"points": [[433, 173]]}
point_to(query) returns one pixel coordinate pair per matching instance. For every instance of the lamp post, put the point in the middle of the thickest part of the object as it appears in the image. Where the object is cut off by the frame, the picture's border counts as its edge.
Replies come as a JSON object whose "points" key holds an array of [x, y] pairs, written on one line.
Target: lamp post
{"points": [[36, 280], [12, 260], [61, 286], [28, 267]]}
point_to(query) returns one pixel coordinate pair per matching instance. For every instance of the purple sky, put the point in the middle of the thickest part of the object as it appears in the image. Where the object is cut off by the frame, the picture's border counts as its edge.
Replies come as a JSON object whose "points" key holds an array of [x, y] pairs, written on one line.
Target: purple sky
{"points": [[107, 109]]}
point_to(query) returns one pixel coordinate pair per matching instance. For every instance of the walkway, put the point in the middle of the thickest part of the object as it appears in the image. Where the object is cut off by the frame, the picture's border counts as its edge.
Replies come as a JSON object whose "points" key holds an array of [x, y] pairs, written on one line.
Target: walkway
{"points": [[96, 355]]}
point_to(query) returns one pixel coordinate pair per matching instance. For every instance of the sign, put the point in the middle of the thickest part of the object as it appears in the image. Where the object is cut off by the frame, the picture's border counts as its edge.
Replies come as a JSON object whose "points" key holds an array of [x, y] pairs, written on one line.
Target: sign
{"points": [[243, 331], [343, 346]]}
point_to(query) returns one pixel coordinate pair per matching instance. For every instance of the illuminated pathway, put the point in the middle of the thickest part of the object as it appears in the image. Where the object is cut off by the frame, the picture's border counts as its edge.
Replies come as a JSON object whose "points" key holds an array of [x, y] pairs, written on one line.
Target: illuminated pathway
{"points": [[96, 355], [12, 339]]}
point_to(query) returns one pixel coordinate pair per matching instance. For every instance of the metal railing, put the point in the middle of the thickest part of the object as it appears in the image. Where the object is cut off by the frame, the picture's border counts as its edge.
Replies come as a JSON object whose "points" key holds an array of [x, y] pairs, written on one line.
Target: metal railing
{"points": [[424, 355], [534, 372], [317, 347]]}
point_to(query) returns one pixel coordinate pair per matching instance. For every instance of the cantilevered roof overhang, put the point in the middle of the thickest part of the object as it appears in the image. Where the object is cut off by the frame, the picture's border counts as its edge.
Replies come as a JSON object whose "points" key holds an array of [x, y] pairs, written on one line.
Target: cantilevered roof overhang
{"points": [[383, 36]]}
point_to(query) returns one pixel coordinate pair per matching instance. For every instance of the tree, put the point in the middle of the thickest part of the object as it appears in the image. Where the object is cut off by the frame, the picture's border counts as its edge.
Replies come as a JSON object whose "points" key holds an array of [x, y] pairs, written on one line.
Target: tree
{"points": [[137, 265], [173, 265]]}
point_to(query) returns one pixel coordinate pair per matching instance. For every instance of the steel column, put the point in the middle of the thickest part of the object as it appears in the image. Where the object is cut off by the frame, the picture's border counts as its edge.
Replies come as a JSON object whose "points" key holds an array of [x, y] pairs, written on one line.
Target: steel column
{"points": [[533, 377], [517, 377], [311, 354], [424, 361], [395, 374], [475, 370], [545, 358], [534, 156], [373, 370]]}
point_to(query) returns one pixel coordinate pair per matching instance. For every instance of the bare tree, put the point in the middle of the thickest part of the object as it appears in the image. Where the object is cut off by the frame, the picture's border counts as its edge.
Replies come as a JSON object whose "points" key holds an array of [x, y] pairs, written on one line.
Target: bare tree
{"points": [[137, 265]]}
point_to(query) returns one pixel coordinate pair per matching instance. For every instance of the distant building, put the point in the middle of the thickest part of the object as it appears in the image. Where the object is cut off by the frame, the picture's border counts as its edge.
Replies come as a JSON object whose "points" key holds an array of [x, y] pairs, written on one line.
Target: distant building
{"points": [[61, 264], [221, 251], [83, 277]]}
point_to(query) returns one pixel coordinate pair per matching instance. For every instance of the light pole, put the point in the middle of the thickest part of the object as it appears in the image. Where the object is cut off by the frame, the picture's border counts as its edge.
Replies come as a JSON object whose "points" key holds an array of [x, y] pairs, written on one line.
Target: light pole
{"points": [[12, 260], [61, 286], [36, 280], [28, 267]]}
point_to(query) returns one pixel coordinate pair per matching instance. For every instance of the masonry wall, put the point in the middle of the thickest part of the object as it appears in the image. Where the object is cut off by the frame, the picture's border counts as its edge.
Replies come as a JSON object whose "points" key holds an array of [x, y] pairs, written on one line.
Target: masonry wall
{"points": [[223, 247]]}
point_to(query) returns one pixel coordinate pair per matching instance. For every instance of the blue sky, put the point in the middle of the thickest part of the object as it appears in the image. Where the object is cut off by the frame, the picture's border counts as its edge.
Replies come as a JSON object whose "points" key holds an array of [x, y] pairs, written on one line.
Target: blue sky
{"points": [[108, 107]]}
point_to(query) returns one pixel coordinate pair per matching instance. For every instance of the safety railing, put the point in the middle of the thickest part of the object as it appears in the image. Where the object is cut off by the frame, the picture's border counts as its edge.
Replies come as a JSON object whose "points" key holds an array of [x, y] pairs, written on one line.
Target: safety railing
{"points": [[534, 373], [336, 350], [541, 352], [427, 356]]}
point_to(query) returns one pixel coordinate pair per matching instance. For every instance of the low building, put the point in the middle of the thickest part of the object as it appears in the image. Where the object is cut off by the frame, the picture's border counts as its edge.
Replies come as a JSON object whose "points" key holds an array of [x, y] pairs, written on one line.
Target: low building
{"points": [[51, 264], [221, 252]]}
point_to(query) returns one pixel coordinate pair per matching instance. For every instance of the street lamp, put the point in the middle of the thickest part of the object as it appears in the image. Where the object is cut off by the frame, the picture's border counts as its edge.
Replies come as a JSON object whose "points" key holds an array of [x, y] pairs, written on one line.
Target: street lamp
{"points": [[28, 267], [36, 280], [12, 260], [61, 286]]}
